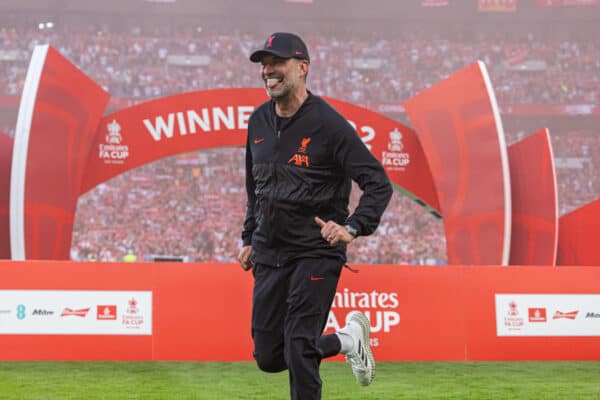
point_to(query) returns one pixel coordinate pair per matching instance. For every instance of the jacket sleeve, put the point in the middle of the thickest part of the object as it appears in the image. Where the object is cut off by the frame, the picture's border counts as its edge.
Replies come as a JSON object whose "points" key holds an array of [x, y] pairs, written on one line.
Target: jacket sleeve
{"points": [[249, 221], [358, 163]]}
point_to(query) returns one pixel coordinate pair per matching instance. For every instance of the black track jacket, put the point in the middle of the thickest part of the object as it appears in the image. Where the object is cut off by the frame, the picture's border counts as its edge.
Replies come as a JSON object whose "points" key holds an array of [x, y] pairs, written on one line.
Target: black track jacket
{"points": [[304, 169]]}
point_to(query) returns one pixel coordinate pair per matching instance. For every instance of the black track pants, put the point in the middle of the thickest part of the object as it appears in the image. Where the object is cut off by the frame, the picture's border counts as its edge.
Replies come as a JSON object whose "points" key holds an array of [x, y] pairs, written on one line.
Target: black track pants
{"points": [[289, 312]]}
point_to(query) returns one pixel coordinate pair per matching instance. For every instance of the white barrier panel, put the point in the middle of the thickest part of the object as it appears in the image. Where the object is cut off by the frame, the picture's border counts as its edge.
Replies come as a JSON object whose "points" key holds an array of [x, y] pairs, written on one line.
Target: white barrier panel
{"points": [[548, 314], [75, 312]]}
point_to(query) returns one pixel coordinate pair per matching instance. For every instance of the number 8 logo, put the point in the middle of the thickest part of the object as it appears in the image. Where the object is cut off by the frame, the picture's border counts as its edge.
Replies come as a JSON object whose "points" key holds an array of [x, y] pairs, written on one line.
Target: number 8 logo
{"points": [[20, 311]]}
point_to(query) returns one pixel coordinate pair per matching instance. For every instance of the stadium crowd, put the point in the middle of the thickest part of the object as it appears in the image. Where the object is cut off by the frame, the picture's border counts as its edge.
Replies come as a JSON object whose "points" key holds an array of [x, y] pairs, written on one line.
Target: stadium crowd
{"points": [[192, 205], [356, 69]]}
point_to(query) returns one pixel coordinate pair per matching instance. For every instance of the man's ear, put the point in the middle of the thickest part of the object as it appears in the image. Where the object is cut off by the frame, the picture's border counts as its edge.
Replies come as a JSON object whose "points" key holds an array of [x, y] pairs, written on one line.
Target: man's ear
{"points": [[303, 64]]}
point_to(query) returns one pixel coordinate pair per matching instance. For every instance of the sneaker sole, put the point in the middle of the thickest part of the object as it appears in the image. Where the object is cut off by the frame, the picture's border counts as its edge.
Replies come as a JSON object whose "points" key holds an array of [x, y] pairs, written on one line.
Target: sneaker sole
{"points": [[363, 321]]}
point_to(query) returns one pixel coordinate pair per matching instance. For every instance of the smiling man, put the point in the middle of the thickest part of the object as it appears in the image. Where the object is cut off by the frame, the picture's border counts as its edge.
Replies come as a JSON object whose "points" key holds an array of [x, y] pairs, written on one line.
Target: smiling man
{"points": [[301, 156]]}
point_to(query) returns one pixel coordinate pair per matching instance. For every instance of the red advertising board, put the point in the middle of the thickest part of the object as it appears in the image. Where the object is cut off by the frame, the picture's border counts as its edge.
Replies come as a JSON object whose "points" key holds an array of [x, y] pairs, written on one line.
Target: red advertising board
{"points": [[202, 311]]}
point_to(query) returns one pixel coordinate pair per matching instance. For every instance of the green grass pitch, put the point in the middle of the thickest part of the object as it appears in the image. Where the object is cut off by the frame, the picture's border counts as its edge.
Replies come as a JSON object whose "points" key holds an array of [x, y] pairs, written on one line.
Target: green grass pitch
{"points": [[242, 380]]}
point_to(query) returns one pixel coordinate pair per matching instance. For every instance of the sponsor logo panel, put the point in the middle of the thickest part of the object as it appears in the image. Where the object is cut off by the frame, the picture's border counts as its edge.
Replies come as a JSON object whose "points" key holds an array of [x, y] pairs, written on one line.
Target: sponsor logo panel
{"points": [[547, 314], [71, 312]]}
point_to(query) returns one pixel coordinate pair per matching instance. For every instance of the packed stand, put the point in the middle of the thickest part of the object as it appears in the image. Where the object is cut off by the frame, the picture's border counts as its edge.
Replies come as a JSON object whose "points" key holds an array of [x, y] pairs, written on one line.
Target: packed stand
{"points": [[193, 206], [577, 162], [134, 65]]}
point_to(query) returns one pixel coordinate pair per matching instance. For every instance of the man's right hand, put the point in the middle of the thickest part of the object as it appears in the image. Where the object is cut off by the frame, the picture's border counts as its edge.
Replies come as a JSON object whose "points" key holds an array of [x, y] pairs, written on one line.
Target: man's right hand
{"points": [[244, 258]]}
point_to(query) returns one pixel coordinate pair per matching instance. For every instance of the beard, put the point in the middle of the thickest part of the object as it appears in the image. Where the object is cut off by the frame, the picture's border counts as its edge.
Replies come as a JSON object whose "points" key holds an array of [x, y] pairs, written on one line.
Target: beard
{"points": [[281, 91]]}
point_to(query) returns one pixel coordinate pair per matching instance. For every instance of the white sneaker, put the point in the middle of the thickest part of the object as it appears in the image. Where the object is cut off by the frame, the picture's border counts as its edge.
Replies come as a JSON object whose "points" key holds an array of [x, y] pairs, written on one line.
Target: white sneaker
{"points": [[360, 357]]}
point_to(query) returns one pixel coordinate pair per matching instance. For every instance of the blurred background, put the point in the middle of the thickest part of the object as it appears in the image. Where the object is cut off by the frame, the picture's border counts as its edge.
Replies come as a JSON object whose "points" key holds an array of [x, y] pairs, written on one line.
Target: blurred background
{"points": [[543, 57]]}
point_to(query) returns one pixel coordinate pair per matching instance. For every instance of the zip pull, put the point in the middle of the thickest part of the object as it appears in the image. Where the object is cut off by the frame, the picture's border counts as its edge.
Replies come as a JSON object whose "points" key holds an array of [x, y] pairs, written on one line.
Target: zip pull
{"points": [[278, 134]]}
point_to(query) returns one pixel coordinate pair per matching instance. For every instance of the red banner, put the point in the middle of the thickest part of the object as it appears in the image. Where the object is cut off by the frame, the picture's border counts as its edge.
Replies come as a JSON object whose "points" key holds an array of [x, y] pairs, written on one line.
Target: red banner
{"points": [[516, 54], [6, 149], [216, 118], [461, 132], [59, 112], [202, 311], [497, 5], [534, 234]]}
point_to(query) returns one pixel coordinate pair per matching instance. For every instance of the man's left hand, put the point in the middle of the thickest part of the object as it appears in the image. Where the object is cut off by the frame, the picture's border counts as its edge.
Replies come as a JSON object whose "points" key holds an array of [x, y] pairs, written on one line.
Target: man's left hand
{"points": [[334, 233]]}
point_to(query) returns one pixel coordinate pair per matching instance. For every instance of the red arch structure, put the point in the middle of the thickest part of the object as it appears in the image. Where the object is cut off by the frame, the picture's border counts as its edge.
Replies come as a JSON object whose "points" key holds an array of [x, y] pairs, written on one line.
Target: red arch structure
{"points": [[456, 166], [91, 149], [459, 125]]}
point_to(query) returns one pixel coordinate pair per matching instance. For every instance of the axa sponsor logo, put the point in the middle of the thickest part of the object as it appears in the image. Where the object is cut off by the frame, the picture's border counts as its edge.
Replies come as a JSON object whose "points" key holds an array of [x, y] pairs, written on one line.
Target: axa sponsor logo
{"points": [[537, 314], [113, 152], [300, 159], [106, 312], [565, 315], [70, 312]]}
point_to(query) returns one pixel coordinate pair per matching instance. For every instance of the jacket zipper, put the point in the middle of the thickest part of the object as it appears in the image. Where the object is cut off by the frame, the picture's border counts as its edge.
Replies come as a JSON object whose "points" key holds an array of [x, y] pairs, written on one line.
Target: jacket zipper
{"points": [[274, 166]]}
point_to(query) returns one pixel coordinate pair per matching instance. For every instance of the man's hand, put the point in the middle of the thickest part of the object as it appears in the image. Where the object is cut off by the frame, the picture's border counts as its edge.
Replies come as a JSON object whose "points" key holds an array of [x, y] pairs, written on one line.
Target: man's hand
{"points": [[244, 258], [334, 233]]}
